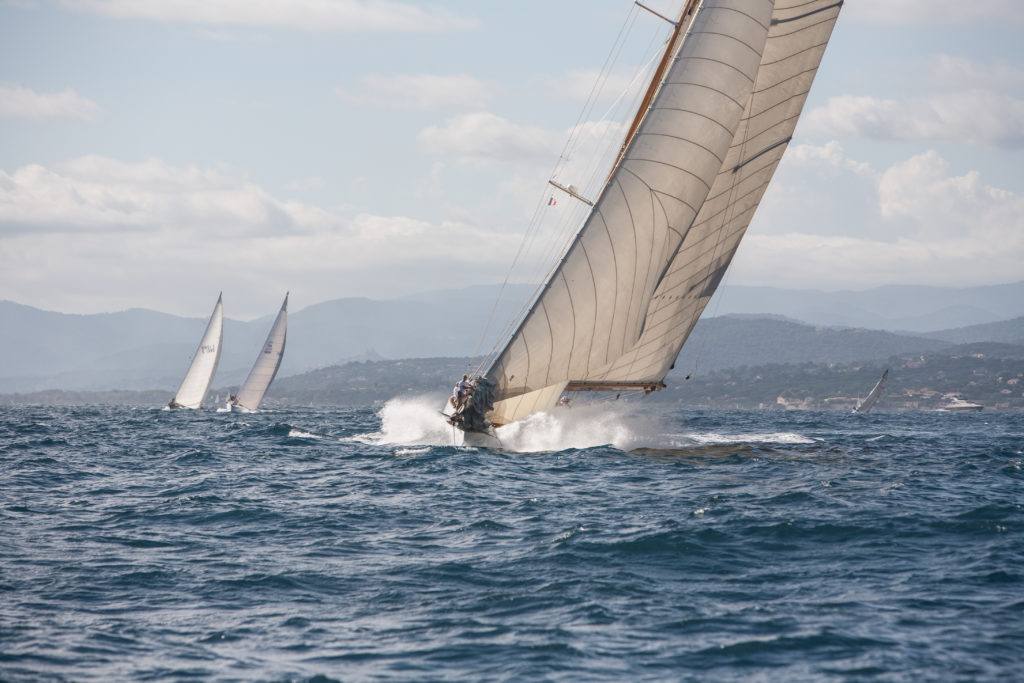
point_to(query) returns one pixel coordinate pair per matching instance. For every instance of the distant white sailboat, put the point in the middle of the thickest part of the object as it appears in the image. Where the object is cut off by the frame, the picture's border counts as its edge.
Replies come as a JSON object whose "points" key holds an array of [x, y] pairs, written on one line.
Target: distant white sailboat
{"points": [[248, 398], [657, 240], [872, 398], [200, 373]]}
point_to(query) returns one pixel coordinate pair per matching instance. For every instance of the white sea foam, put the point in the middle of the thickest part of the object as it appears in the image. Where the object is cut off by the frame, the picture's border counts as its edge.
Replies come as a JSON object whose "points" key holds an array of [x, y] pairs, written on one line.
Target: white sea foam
{"points": [[418, 422], [581, 426], [412, 422], [299, 434], [412, 451], [626, 425], [715, 438]]}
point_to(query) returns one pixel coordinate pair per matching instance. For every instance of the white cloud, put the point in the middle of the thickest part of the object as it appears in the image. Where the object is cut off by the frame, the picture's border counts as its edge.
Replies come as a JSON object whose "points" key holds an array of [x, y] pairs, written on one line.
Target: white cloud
{"points": [[830, 155], [925, 12], [421, 92], [584, 153], [78, 234], [485, 138], [304, 184], [912, 223], [972, 116], [922, 190], [430, 184], [94, 193], [953, 72], [579, 84], [20, 102], [306, 15]]}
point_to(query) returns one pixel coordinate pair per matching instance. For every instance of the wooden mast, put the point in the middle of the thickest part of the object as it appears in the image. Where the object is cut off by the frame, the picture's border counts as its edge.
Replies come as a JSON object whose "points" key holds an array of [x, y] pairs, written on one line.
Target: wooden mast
{"points": [[659, 74]]}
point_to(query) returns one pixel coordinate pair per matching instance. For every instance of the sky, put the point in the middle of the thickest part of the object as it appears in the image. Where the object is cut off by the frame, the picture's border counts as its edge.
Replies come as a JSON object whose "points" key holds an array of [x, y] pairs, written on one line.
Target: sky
{"points": [[155, 153]]}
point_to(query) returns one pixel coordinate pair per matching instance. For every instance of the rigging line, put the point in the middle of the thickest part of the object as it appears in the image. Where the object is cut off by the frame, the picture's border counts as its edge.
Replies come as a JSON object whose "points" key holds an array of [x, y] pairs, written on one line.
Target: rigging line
{"points": [[507, 330], [567, 225], [523, 244], [567, 236], [596, 159], [561, 239], [599, 161], [528, 237], [595, 172], [603, 75], [563, 235], [564, 231]]}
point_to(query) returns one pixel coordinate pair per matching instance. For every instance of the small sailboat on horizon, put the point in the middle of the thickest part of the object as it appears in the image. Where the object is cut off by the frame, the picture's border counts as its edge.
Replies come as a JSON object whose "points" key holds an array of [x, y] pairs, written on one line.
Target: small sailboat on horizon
{"points": [[871, 399], [263, 371], [196, 383], [655, 243]]}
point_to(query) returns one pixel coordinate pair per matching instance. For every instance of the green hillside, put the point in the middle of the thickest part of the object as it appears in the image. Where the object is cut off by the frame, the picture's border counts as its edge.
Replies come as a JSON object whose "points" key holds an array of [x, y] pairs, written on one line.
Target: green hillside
{"points": [[987, 373]]}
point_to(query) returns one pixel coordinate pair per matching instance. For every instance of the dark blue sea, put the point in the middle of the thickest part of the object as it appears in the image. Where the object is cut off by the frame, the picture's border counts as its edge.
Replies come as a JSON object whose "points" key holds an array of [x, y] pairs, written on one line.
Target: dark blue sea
{"points": [[636, 543]]}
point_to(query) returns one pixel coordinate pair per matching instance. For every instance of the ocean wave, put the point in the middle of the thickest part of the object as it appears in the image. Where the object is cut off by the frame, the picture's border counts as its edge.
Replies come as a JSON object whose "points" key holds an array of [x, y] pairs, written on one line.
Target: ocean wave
{"points": [[609, 544]]}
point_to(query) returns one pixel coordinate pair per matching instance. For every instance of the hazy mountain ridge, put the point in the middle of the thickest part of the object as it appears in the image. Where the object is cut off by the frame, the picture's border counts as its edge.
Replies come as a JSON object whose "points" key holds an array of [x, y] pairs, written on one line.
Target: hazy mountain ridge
{"points": [[735, 341], [143, 349], [907, 308], [1006, 331]]}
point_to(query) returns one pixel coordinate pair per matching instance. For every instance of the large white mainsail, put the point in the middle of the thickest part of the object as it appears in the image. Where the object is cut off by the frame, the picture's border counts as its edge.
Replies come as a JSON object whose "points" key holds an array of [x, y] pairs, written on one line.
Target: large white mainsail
{"points": [[615, 312], [200, 373], [265, 368]]}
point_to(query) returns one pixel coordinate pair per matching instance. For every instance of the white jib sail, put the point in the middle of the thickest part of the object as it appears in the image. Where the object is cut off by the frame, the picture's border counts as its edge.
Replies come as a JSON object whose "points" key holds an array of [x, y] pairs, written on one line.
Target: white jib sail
{"points": [[629, 290], [200, 373], [267, 363]]}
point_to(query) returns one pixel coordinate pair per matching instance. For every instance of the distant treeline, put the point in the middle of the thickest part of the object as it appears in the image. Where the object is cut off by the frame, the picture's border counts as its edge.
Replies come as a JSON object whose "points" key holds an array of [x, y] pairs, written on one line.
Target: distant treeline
{"points": [[988, 373]]}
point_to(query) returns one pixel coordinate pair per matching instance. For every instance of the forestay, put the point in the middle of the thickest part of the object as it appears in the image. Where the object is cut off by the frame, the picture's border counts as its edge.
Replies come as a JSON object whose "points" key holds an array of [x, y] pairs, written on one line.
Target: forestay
{"points": [[628, 291]]}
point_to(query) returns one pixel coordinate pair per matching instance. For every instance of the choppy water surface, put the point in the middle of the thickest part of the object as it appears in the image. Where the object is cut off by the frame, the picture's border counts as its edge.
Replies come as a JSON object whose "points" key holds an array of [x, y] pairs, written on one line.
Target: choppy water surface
{"points": [[138, 544]]}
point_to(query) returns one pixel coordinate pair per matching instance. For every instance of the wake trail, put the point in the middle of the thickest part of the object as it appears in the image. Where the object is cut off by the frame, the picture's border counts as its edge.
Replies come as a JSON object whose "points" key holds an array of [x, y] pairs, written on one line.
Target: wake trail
{"points": [[627, 425]]}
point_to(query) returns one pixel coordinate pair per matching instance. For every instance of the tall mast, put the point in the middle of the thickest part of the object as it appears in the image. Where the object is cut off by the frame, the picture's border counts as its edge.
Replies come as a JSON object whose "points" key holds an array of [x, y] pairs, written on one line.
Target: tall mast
{"points": [[659, 73]]}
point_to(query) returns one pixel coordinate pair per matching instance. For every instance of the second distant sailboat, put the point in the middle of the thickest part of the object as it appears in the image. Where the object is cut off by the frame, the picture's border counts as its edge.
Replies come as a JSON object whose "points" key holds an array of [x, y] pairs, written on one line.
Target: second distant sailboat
{"points": [[248, 398], [872, 398]]}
